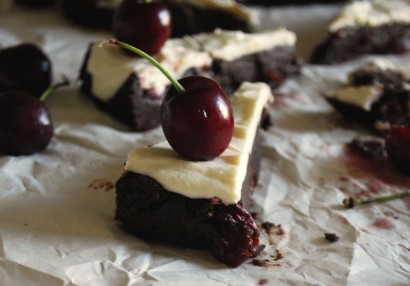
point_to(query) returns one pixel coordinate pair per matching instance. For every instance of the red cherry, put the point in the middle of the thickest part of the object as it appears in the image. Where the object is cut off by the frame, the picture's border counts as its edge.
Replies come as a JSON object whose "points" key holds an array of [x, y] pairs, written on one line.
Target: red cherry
{"points": [[397, 146], [25, 124], [146, 25], [198, 122]]}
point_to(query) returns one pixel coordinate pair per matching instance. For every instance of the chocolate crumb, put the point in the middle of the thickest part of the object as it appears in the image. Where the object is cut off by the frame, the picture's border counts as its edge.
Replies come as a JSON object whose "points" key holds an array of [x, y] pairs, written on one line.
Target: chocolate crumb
{"points": [[332, 237], [272, 228], [255, 215], [348, 203]]}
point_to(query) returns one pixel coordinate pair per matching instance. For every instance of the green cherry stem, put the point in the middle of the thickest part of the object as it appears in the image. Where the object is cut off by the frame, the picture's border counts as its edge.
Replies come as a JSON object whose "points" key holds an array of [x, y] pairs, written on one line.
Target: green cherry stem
{"points": [[349, 203], [52, 88], [175, 83]]}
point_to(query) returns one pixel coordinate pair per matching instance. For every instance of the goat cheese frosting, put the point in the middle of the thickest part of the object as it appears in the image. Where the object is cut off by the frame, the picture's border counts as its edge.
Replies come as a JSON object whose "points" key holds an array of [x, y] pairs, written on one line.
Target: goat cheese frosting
{"points": [[222, 177], [110, 67], [372, 13]]}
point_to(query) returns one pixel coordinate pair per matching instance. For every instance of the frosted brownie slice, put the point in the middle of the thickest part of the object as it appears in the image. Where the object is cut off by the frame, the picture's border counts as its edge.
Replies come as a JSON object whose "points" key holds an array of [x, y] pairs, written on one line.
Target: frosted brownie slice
{"points": [[189, 16], [203, 205], [131, 89], [366, 27], [377, 95]]}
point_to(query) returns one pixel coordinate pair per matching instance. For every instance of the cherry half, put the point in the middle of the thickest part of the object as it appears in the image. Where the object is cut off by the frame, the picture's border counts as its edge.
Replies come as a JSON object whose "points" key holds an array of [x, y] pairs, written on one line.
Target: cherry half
{"points": [[397, 147], [196, 115], [25, 67], [144, 24]]}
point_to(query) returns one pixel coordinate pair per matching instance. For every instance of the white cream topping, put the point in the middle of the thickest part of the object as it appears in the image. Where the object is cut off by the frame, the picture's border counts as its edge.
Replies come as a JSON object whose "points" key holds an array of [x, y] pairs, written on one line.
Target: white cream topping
{"points": [[230, 6], [230, 45], [372, 13], [360, 96], [108, 4], [222, 177], [110, 67]]}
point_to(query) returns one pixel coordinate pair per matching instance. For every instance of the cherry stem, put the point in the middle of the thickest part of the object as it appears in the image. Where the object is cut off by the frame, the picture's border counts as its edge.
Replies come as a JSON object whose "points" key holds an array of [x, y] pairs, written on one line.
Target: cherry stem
{"points": [[175, 83], [52, 88], [351, 202]]}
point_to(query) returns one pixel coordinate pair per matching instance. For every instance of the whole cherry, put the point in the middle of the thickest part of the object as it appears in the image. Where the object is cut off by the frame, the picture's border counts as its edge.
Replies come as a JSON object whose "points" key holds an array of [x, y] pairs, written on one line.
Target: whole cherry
{"points": [[142, 23], [397, 147], [25, 67], [196, 115], [25, 123]]}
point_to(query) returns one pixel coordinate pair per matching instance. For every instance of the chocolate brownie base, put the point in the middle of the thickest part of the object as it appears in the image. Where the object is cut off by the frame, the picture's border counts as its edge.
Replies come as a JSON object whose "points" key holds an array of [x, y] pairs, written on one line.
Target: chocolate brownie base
{"points": [[393, 106], [154, 214], [351, 42], [139, 108]]}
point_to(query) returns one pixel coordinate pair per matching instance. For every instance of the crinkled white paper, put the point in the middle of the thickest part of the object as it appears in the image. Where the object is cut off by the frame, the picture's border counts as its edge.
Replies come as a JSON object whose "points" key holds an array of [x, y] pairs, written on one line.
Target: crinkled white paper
{"points": [[57, 222]]}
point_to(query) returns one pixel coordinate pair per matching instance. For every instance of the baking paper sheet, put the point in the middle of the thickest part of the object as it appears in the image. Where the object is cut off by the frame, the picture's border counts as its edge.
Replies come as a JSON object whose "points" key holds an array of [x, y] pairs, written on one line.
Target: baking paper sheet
{"points": [[57, 222]]}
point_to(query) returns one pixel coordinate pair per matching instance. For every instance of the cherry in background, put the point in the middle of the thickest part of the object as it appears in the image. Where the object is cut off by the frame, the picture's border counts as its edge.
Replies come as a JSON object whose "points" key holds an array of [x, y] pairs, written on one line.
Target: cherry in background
{"points": [[25, 67], [397, 147], [142, 24], [25, 124]]}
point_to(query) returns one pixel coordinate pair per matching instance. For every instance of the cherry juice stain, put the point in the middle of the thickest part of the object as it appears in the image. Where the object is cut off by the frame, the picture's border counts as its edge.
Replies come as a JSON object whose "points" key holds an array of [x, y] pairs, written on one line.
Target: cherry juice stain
{"points": [[378, 170], [262, 282], [101, 184], [383, 223]]}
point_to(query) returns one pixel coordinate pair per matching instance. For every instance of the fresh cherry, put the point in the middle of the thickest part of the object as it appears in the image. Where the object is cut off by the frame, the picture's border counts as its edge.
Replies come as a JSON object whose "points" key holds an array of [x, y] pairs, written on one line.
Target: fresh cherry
{"points": [[197, 119], [397, 147], [36, 3], [24, 67], [198, 122], [144, 24], [25, 124]]}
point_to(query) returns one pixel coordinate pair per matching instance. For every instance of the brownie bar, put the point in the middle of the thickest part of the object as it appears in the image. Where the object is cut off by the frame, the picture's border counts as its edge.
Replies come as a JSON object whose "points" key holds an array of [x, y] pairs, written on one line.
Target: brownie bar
{"points": [[350, 42], [186, 19], [139, 109], [392, 107], [154, 214]]}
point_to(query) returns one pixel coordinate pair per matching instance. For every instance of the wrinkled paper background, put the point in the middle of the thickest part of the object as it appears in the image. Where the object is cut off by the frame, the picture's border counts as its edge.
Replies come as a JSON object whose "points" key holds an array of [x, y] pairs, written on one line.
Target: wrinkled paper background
{"points": [[57, 207]]}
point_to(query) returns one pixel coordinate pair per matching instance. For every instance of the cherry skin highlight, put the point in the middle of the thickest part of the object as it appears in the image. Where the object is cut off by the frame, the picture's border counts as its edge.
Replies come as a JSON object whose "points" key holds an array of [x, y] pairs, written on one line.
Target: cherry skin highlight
{"points": [[25, 124], [146, 25], [397, 147], [198, 122], [25, 67]]}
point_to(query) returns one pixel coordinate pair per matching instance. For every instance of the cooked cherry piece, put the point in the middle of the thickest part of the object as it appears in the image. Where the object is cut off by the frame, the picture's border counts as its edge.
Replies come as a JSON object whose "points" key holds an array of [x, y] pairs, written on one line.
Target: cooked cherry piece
{"points": [[146, 25], [397, 146], [198, 122], [25, 124], [24, 67], [36, 3]]}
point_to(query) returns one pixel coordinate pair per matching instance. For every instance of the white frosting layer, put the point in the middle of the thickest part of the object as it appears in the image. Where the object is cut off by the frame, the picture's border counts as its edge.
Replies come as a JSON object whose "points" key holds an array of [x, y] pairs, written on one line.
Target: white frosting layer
{"points": [[360, 96], [230, 45], [372, 13], [231, 6], [110, 68], [222, 177]]}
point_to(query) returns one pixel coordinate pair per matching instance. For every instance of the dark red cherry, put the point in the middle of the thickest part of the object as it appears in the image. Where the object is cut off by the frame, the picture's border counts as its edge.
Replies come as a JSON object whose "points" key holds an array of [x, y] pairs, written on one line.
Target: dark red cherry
{"points": [[198, 122], [397, 147], [146, 25], [24, 67], [36, 3], [25, 124]]}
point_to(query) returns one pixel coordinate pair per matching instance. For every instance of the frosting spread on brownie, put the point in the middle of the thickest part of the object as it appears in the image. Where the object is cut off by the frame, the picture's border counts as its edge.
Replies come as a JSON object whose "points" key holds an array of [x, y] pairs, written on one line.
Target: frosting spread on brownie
{"points": [[372, 13], [231, 45], [110, 67], [222, 177]]}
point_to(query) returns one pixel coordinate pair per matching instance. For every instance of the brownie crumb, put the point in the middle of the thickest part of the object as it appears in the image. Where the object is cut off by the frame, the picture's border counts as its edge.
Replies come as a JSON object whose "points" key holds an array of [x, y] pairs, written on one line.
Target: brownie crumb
{"points": [[331, 237], [272, 228], [368, 149]]}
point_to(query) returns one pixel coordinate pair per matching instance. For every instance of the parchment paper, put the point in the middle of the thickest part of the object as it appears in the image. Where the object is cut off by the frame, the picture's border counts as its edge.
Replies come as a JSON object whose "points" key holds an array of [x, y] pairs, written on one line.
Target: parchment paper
{"points": [[57, 222]]}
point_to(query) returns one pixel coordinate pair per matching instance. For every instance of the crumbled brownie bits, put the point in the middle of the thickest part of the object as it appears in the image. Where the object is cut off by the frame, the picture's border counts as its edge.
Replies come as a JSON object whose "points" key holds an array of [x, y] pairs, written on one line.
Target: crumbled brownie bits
{"points": [[331, 237]]}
